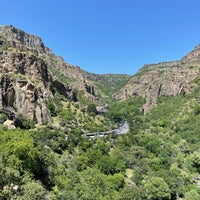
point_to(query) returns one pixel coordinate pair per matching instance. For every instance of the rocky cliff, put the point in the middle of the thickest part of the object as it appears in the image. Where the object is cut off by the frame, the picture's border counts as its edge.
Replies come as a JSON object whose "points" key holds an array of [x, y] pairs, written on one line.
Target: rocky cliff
{"points": [[25, 85], [30, 74], [163, 79]]}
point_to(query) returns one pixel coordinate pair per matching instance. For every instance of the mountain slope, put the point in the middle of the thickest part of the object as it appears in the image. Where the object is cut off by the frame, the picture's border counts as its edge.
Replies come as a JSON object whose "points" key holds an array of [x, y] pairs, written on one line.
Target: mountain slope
{"points": [[26, 81], [163, 79], [31, 76], [109, 83]]}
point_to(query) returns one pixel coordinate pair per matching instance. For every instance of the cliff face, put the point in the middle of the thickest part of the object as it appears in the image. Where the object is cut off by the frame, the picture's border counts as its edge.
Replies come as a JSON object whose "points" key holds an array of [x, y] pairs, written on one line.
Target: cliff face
{"points": [[30, 73], [25, 85], [15, 40], [13, 37], [163, 79], [192, 58], [27, 76]]}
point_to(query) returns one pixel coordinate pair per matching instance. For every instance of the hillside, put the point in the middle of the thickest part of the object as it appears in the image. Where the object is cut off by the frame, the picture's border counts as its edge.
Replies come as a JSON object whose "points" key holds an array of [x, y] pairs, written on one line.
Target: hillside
{"points": [[163, 79], [32, 75], [49, 107], [109, 83]]}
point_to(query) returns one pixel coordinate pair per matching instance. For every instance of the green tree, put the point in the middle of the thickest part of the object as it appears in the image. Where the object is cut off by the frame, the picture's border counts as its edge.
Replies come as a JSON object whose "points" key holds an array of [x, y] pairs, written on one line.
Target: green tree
{"points": [[91, 109], [176, 181], [192, 195], [52, 108], [156, 188], [101, 146], [9, 178], [110, 165], [195, 160], [116, 181], [95, 185], [33, 191], [131, 193]]}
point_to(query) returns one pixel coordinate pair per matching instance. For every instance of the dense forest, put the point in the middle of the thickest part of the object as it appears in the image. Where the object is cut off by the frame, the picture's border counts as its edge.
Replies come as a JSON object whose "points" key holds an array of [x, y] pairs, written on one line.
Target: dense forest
{"points": [[158, 159]]}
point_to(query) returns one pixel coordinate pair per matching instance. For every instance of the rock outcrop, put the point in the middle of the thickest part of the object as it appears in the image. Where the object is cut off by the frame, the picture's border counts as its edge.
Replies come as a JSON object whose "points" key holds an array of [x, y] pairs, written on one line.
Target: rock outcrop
{"points": [[25, 84], [192, 58], [163, 79], [22, 41], [26, 81], [73, 77]]}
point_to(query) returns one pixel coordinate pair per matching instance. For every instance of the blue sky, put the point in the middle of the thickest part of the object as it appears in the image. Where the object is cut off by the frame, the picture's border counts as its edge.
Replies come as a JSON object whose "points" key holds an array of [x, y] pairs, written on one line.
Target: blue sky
{"points": [[109, 36]]}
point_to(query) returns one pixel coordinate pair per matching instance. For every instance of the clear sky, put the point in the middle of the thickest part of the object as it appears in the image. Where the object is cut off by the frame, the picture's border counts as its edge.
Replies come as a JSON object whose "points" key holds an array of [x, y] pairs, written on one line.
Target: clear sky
{"points": [[109, 36]]}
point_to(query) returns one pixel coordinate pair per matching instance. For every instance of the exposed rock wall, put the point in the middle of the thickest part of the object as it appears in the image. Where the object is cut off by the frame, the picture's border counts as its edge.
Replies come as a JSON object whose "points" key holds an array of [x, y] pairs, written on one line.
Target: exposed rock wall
{"points": [[21, 40], [163, 79], [26, 85], [28, 77], [192, 58], [12, 38]]}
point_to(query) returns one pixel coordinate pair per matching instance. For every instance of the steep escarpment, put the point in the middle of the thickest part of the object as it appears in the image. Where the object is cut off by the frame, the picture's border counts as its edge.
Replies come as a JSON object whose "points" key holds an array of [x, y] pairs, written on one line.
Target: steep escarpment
{"points": [[192, 58], [94, 86], [11, 37], [163, 79], [26, 86], [26, 80]]}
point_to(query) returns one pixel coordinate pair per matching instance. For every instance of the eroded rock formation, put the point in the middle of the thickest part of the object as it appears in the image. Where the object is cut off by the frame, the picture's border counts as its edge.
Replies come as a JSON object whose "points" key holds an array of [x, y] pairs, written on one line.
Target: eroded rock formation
{"points": [[26, 84], [163, 79]]}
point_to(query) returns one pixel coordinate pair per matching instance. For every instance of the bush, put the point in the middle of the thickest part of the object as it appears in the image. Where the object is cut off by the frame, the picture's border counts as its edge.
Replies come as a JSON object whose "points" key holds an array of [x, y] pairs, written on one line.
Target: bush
{"points": [[51, 108], [91, 109], [110, 165], [3, 117]]}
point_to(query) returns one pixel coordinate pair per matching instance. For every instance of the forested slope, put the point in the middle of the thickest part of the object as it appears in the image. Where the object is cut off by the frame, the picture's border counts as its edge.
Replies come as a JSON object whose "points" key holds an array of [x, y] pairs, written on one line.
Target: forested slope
{"points": [[158, 159]]}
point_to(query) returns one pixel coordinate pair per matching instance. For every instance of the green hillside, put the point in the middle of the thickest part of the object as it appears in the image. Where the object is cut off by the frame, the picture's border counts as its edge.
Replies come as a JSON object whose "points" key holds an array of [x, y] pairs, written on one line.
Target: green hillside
{"points": [[158, 159], [109, 83]]}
